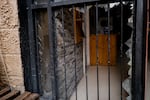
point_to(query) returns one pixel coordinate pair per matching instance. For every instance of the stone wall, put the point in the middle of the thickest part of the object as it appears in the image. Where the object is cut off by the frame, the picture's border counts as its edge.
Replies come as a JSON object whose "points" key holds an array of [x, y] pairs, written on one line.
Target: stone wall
{"points": [[69, 55], [66, 58], [10, 45], [44, 55]]}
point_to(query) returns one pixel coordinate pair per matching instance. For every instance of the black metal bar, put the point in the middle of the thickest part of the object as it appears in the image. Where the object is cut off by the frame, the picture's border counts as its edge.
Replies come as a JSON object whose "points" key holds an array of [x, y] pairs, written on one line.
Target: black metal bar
{"points": [[24, 43], [72, 2], [133, 47], [97, 53], [138, 70], [86, 67], [78, 2], [121, 45], [32, 48], [147, 49], [108, 4], [63, 34], [75, 54], [37, 52], [39, 6], [52, 48]]}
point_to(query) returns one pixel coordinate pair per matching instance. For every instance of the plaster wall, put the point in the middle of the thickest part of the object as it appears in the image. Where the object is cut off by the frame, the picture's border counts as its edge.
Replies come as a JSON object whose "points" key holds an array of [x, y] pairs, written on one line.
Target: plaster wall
{"points": [[10, 54]]}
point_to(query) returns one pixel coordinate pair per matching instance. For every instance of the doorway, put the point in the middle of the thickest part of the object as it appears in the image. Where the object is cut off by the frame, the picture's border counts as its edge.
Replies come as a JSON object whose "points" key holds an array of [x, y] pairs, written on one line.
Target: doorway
{"points": [[69, 53], [104, 54], [109, 45]]}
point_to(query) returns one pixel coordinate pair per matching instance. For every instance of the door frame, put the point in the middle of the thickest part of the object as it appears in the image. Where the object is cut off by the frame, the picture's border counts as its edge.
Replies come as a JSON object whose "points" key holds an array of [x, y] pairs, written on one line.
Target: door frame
{"points": [[139, 48], [28, 44]]}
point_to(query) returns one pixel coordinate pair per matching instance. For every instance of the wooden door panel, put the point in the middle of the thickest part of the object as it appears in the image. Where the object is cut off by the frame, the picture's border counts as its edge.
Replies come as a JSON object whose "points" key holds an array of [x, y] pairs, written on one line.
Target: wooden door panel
{"points": [[103, 49]]}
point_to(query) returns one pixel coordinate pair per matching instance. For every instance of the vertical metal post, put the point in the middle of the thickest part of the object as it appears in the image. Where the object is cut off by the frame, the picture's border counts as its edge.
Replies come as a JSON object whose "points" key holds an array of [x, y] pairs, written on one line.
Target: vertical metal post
{"points": [[38, 66], [138, 71], [97, 53], [24, 43], [147, 49], [121, 45], [108, 4], [33, 67], [63, 34], [52, 48], [86, 67]]}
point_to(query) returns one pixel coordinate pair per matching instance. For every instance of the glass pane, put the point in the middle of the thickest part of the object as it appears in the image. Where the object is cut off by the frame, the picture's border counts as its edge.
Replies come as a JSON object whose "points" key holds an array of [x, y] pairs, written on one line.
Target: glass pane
{"points": [[127, 41]]}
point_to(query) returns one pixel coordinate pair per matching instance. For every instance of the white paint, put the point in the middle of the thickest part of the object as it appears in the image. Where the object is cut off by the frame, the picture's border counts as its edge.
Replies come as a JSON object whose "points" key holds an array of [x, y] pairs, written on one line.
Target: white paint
{"points": [[87, 36], [84, 56]]}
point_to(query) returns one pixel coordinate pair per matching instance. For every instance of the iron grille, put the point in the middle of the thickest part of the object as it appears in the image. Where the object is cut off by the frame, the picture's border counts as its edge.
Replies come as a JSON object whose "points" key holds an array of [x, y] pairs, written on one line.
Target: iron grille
{"points": [[50, 18]]}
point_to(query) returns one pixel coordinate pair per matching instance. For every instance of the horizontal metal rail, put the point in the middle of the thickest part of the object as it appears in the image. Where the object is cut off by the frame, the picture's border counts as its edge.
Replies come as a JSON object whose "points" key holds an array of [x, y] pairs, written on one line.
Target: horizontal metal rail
{"points": [[62, 3], [71, 2], [39, 6]]}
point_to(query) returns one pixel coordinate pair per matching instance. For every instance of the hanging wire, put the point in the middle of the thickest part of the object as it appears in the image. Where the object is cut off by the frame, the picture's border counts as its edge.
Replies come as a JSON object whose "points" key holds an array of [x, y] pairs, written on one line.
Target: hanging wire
{"points": [[63, 34], [97, 53]]}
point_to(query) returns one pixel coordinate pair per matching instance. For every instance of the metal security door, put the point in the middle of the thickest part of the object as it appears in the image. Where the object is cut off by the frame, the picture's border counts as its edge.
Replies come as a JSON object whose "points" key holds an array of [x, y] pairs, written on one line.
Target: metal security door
{"points": [[62, 16], [58, 37]]}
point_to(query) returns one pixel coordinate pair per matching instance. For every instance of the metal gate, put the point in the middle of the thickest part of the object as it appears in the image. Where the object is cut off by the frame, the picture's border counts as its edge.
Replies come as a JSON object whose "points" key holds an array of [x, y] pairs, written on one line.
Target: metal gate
{"points": [[60, 35]]}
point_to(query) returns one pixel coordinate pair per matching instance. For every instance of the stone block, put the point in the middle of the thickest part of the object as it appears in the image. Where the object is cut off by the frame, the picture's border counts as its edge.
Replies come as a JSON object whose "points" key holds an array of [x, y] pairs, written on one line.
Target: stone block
{"points": [[14, 70], [10, 42], [3, 73], [8, 14], [13, 64]]}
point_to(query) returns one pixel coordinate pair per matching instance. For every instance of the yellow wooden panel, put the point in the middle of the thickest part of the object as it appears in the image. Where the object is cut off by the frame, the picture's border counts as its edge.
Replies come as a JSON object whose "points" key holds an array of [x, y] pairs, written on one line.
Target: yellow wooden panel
{"points": [[92, 50], [103, 49]]}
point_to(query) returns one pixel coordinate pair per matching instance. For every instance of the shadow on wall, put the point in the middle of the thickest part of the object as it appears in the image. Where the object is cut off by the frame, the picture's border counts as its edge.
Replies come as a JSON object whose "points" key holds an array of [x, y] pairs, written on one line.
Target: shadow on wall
{"points": [[4, 80]]}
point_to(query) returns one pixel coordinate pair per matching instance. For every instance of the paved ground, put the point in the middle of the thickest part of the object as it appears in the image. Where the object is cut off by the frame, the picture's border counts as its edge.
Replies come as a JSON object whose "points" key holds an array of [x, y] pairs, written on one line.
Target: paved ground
{"points": [[148, 82], [103, 85]]}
